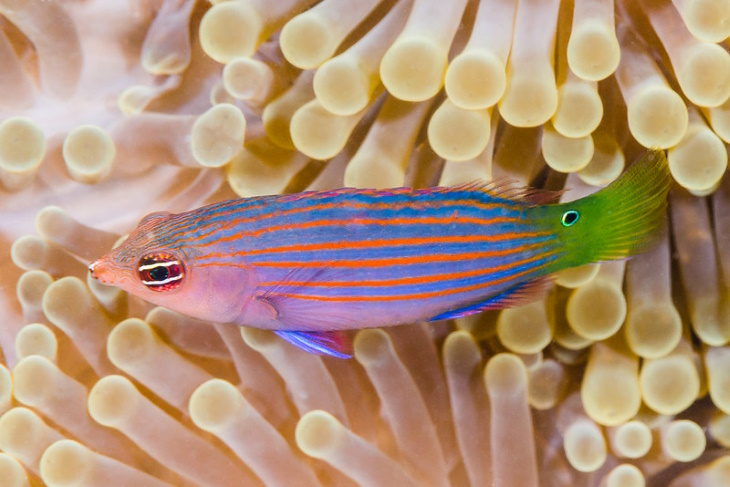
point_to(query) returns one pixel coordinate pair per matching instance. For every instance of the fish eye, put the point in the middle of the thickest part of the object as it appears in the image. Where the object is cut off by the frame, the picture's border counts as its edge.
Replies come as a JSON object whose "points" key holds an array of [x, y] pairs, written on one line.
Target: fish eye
{"points": [[569, 218], [161, 271]]}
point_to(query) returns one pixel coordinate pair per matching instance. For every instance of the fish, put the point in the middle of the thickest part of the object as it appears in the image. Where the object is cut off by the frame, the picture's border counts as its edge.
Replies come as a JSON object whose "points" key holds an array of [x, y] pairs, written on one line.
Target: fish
{"points": [[311, 266]]}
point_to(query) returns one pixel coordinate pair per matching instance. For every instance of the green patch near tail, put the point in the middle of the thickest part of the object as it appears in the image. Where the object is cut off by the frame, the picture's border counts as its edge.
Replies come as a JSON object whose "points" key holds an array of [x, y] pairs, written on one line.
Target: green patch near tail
{"points": [[623, 219]]}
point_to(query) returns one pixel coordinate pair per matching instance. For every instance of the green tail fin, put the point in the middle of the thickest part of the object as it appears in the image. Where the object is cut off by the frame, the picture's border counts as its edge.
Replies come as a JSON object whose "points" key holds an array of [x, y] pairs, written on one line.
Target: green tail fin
{"points": [[623, 219]]}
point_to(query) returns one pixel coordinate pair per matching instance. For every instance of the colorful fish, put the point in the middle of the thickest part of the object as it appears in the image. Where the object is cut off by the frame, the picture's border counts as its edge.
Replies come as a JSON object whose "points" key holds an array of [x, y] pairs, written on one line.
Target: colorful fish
{"points": [[312, 265]]}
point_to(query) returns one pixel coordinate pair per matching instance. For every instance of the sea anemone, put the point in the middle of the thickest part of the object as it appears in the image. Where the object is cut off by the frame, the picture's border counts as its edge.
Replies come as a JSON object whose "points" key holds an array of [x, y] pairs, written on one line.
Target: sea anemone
{"points": [[110, 110]]}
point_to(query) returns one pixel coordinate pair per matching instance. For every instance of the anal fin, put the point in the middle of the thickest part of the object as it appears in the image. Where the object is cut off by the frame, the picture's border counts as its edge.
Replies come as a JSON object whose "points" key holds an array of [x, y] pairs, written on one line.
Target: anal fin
{"points": [[332, 343], [518, 295]]}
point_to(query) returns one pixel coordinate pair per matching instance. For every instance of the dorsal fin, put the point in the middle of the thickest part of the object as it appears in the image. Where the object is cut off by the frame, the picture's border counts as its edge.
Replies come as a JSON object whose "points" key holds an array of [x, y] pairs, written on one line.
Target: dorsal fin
{"points": [[507, 188], [502, 188]]}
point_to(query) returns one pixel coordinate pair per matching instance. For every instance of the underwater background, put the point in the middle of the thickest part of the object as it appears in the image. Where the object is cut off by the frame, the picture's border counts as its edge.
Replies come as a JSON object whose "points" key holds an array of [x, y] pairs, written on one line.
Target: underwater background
{"points": [[112, 109]]}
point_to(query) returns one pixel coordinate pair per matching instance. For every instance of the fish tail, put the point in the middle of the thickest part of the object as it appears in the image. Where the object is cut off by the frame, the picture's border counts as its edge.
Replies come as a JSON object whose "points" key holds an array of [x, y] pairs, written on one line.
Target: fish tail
{"points": [[623, 219]]}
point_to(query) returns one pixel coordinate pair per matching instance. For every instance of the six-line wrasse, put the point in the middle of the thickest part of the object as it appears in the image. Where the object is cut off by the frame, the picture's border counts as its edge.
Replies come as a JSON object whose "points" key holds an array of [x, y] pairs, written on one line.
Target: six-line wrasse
{"points": [[311, 265]]}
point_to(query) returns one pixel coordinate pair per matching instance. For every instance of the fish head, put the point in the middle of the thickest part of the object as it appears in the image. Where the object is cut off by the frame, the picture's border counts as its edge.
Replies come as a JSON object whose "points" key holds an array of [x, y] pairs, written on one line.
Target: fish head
{"points": [[159, 269], [142, 264]]}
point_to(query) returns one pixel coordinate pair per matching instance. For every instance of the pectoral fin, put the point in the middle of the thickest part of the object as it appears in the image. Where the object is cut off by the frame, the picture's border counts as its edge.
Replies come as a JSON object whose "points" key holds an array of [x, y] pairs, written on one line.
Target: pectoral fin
{"points": [[333, 343], [290, 308]]}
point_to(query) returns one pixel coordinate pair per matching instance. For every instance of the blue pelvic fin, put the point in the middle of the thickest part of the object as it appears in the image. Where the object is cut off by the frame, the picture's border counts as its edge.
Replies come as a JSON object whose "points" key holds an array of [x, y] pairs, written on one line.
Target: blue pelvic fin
{"points": [[332, 343], [518, 295]]}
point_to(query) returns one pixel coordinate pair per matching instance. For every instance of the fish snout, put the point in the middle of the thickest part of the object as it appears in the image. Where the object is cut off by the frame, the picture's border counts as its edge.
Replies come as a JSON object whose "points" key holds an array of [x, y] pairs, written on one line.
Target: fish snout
{"points": [[100, 270]]}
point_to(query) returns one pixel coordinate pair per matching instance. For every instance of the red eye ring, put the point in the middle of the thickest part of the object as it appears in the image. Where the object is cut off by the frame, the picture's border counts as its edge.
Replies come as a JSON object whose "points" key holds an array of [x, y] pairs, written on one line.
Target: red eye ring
{"points": [[161, 271]]}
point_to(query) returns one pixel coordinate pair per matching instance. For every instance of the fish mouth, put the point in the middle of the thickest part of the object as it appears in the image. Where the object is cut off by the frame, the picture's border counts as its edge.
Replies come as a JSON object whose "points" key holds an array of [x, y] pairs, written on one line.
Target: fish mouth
{"points": [[102, 271]]}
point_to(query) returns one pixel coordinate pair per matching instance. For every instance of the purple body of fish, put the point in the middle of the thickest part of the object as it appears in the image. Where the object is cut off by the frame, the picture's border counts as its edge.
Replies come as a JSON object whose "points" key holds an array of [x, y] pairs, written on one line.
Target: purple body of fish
{"points": [[311, 264]]}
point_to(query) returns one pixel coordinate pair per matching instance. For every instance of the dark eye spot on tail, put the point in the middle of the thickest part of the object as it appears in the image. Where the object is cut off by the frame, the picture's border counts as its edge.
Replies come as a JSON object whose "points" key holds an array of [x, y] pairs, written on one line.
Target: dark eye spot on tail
{"points": [[569, 218]]}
